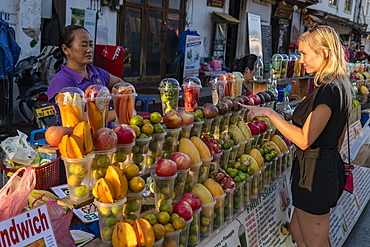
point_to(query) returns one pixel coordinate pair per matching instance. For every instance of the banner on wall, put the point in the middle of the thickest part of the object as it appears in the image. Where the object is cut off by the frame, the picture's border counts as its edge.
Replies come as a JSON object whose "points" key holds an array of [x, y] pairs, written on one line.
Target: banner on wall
{"points": [[193, 47], [254, 34], [85, 18]]}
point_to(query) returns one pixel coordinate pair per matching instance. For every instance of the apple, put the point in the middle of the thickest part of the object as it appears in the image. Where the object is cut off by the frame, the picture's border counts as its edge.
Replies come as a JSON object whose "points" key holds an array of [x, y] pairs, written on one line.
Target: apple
{"points": [[105, 139], [228, 102], [54, 134], [256, 98], [183, 209], [166, 168], [172, 119], [250, 101], [186, 117], [255, 129], [183, 161], [262, 124], [193, 199], [125, 134], [210, 111]]}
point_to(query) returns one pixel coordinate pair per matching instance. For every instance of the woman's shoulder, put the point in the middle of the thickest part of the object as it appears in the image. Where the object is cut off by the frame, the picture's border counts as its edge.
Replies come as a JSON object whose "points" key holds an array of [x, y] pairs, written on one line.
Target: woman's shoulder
{"points": [[96, 70]]}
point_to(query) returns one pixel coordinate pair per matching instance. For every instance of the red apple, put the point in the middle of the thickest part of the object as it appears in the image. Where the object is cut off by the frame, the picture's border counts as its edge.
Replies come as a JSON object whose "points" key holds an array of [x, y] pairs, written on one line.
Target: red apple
{"points": [[255, 129], [256, 99], [54, 134], [193, 199], [125, 134], [250, 101], [183, 161], [186, 117], [172, 119], [183, 209], [105, 139], [166, 168], [262, 124]]}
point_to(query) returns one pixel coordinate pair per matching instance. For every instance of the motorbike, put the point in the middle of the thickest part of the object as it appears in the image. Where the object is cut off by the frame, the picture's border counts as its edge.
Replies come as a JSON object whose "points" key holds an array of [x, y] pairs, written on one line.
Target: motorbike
{"points": [[33, 92]]}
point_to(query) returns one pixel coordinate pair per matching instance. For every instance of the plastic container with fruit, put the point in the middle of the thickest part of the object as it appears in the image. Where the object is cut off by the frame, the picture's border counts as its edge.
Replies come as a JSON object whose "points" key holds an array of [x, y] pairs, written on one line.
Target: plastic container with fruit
{"points": [[78, 172], [237, 85], [229, 205], [171, 140], [184, 234], [217, 82], [272, 170], [163, 188], [248, 145], [234, 118], [122, 156], [109, 215], [267, 174], [71, 104], [140, 152], [262, 178], [224, 160], [255, 140], [192, 177], [191, 86], [240, 149], [155, 150], [268, 135], [279, 165], [206, 219], [248, 191], [169, 89], [290, 156], [291, 64], [206, 127], [243, 112], [194, 231], [100, 164], [219, 217], [186, 131], [229, 84], [124, 95], [276, 60], [204, 170], [215, 126], [215, 164], [196, 129], [179, 185], [255, 185], [159, 243], [232, 156], [224, 123], [261, 138], [133, 205], [239, 197], [172, 238], [284, 161], [297, 67], [284, 65]]}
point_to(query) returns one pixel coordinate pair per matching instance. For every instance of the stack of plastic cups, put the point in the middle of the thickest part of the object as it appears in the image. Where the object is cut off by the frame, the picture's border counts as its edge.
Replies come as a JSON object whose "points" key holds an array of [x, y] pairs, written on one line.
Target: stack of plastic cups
{"points": [[71, 104], [171, 140], [219, 217], [194, 231], [184, 234], [204, 170], [192, 86], [206, 127], [215, 126], [239, 197], [215, 165], [229, 205], [169, 89], [262, 178], [155, 150], [185, 131], [109, 215], [248, 145], [224, 124], [232, 156], [248, 191], [132, 207], [272, 171], [267, 174], [122, 156], [206, 219], [78, 173], [279, 165], [240, 149], [159, 243], [172, 238], [224, 160], [255, 185], [140, 152], [163, 188], [124, 95], [100, 164], [179, 186], [196, 129], [192, 177], [261, 138], [284, 161], [218, 82], [98, 98], [234, 118]]}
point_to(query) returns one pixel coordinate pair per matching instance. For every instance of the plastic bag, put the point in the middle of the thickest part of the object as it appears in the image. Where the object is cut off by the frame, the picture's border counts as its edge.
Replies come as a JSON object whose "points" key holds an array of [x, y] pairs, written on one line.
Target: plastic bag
{"points": [[360, 148], [14, 194], [60, 221], [18, 149]]}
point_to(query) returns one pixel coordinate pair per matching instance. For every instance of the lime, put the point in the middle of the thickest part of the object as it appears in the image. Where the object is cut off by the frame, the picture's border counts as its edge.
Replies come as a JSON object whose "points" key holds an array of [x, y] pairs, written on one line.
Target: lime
{"points": [[117, 209], [137, 120], [163, 218], [268, 157], [110, 220], [80, 171], [137, 129], [261, 150], [104, 211], [150, 160], [179, 223], [81, 191], [266, 149], [243, 168], [250, 170], [169, 228], [120, 156], [138, 158], [147, 129], [194, 229], [199, 114], [166, 206], [230, 134], [159, 231], [237, 179], [237, 165], [192, 238], [155, 117], [132, 217], [174, 216], [274, 154], [106, 233], [102, 161], [205, 221], [166, 155], [74, 180], [134, 206], [158, 128], [151, 218], [226, 145]]}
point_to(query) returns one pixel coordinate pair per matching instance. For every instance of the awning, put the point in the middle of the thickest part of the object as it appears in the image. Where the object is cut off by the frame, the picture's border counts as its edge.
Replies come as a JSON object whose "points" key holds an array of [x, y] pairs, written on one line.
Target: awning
{"points": [[223, 17]]}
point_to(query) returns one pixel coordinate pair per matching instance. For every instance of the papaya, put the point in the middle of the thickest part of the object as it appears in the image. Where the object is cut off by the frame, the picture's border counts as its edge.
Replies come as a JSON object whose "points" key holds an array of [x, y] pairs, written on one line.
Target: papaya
{"points": [[280, 142], [202, 147], [187, 147], [216, 191], [257, 156], [236, 132]]}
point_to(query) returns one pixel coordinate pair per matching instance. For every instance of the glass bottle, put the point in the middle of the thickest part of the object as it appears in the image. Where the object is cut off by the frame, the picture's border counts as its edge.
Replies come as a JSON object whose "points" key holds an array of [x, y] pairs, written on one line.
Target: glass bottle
{"points": [[258, 69], [284, 108]]}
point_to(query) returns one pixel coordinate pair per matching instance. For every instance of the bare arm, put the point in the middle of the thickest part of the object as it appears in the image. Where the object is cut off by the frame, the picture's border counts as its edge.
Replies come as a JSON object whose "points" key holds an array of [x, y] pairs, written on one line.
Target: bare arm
{"points": [[113, 80], [302, 137]]}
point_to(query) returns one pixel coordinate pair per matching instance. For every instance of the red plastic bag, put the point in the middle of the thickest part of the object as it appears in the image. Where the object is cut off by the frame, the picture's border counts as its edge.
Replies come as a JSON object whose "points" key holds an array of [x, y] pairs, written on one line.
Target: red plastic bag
{"points": [[60, 221], [14, 194]]}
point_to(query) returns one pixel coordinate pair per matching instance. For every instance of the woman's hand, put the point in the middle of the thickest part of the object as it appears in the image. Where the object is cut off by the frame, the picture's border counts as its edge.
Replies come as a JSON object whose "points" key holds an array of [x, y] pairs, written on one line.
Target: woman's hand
{"points": [[256, 111]]}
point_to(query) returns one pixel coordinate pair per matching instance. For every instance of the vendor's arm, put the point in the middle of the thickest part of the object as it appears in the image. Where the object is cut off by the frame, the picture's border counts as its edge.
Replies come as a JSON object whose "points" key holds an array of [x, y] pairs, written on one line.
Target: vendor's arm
{"points": [[113, 80], [302, 137]]}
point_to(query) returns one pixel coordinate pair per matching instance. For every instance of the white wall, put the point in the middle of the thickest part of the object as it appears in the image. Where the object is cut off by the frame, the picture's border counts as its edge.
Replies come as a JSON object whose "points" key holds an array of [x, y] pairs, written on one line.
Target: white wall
{"points": [[335, 10]]}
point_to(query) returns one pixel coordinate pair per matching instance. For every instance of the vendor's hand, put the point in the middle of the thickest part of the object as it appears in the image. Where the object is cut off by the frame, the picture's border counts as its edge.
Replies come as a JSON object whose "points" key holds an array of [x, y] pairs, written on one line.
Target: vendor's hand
{"points": [[256, 111]]}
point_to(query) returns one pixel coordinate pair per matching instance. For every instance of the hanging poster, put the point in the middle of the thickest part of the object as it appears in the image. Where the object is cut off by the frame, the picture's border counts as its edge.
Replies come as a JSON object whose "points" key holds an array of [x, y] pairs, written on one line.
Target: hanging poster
{"points": [[193, 47], [254, 34], [85, 18]]}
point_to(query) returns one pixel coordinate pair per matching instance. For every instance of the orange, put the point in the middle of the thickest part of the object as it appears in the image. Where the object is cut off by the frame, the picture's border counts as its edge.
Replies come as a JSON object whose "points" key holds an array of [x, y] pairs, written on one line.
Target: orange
{"points": [[151, 218], [163, 218], [169, 243], [174, 216], [166, 206], [137, 120], [146, 121], [169, 227], [179, 223], [131, 170], [136, 184], [147, 129], [155, 117], [136, 128], [159, 231]]}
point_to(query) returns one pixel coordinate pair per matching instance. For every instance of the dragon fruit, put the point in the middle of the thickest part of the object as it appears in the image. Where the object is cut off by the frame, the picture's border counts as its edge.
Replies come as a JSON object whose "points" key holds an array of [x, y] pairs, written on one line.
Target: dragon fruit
{"points": [[221, 177]]}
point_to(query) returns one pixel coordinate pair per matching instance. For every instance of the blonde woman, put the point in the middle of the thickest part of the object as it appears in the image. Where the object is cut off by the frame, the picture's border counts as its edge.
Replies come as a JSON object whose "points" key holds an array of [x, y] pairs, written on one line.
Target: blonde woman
{"points": [[319, 124]]}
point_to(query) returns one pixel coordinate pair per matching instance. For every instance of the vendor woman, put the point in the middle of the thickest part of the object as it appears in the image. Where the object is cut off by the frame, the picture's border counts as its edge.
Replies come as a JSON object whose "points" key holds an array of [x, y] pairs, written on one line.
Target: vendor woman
{"points": [[245, 65]]}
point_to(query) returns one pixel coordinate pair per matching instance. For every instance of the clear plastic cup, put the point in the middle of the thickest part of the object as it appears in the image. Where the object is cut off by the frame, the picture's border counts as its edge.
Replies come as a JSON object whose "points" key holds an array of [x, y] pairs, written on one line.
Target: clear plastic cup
{"points": [[206, 127], [192, 177], [179, 186], [248, 145], [268, 135], [272, 171], [279, 165], [109, 215], [232, 156], [290, 156], [261, 183], [140, 152], [97, 112], [169, 99], [267, 174], [159, 243], [204, 170], [255, 185], [206, 219], [261, 138], [155, 150], [240, 149], [219, 217], [255, 141], [224, 160], [194, 231], [229, 205], [133, 204], [171, 140], [172, 238], [242, 113], [239, 197], [218, 82], [224, 124], [124, 95], [273, 131], [185, 131], [191, 86], [71, 104], [234, 118], [215, 165], [100, 164], [284, 161], [122, 156], [196, 129], [184, 233], [163, 188], [215, 126], [78, 173], [248, 191]]}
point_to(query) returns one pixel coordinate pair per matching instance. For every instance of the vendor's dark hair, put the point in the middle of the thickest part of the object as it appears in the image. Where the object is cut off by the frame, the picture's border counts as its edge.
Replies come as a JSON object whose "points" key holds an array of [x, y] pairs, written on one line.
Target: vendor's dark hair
{"points": [[244, 62], [66, 37]]}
